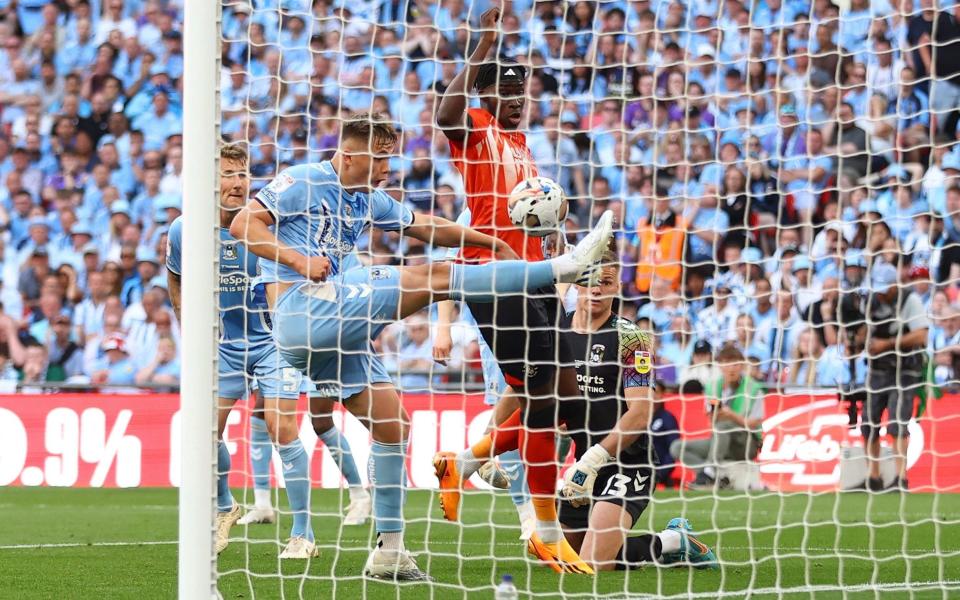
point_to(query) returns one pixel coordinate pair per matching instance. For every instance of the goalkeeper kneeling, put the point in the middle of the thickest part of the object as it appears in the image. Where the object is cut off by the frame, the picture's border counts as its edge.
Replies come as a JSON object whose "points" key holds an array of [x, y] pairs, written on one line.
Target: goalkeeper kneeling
{"points": [[611, 483]]}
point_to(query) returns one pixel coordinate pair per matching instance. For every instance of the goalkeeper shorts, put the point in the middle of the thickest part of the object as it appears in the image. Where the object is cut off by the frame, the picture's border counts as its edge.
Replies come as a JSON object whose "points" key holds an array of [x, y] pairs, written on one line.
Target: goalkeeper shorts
{"points": [[629, 486]]}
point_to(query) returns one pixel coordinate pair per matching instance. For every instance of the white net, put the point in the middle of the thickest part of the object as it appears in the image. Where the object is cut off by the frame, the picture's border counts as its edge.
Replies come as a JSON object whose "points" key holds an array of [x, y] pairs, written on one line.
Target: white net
{"points": [[784, 180]]}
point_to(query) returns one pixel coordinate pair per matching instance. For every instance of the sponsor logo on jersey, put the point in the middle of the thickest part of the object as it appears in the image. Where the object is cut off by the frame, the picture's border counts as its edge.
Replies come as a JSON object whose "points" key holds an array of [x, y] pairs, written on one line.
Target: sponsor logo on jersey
{"points": [[596, 353], [378, 273], [282, 182], [642, 361]]}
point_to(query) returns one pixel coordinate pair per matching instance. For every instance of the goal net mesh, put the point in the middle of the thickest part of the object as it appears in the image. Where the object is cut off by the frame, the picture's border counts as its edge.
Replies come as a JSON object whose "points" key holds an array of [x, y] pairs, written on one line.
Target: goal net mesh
{"points": [[775, 169]]}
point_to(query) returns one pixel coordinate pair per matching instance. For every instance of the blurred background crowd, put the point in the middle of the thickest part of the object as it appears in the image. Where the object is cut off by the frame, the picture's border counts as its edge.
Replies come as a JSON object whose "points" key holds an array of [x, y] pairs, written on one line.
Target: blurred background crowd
{"points": [[762, 158]]}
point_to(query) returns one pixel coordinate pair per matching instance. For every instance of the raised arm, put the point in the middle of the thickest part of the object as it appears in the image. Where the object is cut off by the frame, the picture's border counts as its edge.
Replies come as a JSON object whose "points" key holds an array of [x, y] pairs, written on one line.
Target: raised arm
{"points": [[251, 226], [441, 232], [451, 117]]}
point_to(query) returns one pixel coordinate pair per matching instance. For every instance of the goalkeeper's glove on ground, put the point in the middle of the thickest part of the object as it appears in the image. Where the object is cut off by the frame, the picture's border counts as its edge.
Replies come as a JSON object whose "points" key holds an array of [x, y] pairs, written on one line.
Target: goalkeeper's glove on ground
{"points": [[579, 479]]}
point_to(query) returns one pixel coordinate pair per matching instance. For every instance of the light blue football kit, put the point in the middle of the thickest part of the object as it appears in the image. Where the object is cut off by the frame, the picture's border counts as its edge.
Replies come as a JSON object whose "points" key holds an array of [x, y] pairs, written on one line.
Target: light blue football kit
{"points": [[247, 352], [325, 328]]}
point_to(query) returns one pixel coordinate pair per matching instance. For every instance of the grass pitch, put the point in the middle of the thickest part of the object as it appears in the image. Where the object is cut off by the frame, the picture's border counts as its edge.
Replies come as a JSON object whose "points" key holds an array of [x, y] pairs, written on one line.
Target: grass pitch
{"points": [[88, 543]]}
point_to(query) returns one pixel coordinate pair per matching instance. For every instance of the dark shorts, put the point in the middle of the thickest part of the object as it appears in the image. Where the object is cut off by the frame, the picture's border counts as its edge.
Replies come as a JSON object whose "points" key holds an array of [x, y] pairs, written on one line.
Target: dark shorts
{"points": [[896, 395], [629, 486], [522, 332]]}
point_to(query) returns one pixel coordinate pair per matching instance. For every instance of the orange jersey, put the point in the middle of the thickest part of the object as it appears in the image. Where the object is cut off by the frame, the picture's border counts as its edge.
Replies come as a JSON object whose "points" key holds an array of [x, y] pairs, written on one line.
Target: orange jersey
{"points": [[493, 161]]}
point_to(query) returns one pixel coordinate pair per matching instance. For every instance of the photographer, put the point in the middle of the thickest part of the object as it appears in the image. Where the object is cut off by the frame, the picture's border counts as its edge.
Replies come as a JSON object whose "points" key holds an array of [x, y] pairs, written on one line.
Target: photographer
{"points": [[896, 341]]}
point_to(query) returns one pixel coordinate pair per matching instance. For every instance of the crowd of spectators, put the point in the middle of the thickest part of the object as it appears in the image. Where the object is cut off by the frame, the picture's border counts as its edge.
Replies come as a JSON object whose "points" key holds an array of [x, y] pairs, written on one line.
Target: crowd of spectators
{"points": [[761, 157]]}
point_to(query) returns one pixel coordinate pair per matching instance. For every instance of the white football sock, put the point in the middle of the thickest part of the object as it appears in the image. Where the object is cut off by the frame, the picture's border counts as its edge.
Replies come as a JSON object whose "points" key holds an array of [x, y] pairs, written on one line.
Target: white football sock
{"points": [[468, 464], [525, 511], [262, 499], [390, 540], [357, 492], [669, 541], [549, 531]]}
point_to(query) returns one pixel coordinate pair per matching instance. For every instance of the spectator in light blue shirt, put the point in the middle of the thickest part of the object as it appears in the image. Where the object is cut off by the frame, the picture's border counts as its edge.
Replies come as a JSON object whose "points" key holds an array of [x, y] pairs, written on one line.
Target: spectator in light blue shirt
{"points": [[116, 366], [158, 124], [706, 224]]}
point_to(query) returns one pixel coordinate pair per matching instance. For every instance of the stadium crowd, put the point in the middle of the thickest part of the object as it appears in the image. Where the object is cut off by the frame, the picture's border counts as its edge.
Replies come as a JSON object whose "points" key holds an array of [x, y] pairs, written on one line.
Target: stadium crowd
{"points": [[762, 159]]}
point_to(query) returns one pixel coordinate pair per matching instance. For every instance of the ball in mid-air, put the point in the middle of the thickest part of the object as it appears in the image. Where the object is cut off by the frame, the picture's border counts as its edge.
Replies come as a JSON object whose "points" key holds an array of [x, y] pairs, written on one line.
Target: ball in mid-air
{"points": [[538, 205]]}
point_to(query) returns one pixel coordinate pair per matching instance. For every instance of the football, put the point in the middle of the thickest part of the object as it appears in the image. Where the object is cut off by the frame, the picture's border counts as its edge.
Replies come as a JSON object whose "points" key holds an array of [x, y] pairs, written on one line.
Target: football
{"points": [[538, 205]]}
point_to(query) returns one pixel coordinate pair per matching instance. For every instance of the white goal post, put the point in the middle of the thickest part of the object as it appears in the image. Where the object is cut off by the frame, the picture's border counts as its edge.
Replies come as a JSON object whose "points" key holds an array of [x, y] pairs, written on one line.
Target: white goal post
{"points": [[201, 118]]}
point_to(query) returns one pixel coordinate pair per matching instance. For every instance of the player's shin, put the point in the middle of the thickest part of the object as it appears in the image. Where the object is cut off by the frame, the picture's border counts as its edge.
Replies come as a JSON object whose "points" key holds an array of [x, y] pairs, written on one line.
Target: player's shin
{"points": [[261, 451], [483, 283], [296, 475], [388, 476], [339, 449], [539, 452], [224, 497]]}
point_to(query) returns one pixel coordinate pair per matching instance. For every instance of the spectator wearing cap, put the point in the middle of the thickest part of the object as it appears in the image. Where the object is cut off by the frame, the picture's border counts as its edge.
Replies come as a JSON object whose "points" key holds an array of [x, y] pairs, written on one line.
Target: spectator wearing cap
{"points": [[896, 341], [695, 376], [806, 289], [115, 367], [38, 237], [148, 265], [717, 323], [79, 236]]}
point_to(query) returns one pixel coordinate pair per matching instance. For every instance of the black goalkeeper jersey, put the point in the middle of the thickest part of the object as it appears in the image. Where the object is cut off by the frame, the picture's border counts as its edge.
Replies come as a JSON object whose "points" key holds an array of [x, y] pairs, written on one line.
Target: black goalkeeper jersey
{"points": [[617, 356]]}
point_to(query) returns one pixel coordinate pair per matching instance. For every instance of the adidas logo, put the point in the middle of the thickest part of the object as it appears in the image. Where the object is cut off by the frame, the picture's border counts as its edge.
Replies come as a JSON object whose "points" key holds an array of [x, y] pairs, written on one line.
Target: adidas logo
{"points": [[509, 72]]}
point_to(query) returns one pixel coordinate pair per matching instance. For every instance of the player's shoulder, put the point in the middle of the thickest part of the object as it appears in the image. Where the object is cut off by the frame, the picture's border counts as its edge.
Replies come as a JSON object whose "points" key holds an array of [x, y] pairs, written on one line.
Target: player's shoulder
{"points": [[175, 231], [481, 117]]}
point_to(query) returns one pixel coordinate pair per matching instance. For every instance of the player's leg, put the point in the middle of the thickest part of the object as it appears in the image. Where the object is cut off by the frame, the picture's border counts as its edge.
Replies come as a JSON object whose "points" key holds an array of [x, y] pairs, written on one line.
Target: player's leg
{"points": [[321, 416], [232, 385], [261, 452], [873, 408], [379, 405], [424, 284], [280, 384]]}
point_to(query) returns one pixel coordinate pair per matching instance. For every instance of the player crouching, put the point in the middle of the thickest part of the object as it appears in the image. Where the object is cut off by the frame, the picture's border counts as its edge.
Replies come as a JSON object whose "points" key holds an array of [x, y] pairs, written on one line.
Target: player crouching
{"points": [[610, 485]]}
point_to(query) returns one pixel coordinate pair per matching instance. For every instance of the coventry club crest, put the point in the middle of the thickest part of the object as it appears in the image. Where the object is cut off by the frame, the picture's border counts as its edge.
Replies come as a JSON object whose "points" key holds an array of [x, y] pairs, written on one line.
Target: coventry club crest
{"points": [[229, 252], [596, 353]]}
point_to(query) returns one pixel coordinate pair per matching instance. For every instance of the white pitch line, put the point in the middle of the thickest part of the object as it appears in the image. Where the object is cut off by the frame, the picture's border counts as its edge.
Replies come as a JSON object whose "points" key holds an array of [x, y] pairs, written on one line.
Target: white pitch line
{"points": [[82, 545]]}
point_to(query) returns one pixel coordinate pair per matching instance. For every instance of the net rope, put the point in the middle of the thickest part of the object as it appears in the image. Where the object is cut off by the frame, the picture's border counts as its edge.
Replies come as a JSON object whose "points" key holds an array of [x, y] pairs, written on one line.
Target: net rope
{"points": [[772, 170]]}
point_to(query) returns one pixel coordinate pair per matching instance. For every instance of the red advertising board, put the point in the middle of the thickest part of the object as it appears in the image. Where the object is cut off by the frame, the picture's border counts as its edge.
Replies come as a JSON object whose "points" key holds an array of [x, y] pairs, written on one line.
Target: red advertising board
{"points": [[92, 440]]}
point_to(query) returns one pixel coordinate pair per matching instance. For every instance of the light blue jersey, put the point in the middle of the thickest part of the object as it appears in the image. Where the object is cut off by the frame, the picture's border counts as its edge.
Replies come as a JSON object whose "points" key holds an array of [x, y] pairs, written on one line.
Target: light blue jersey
{"points": [[247, 350], [316, 216]]}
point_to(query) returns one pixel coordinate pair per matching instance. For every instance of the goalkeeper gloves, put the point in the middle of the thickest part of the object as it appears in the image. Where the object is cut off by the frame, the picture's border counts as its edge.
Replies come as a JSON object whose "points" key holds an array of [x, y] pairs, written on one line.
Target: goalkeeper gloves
{"points": [[579, 479]]}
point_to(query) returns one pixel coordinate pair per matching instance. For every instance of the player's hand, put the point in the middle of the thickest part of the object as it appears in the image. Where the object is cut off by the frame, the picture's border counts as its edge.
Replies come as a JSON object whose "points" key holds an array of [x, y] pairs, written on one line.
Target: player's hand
{"points": [[442, 345], [490, 25], [878, 346], [503, 251], [579, 479], [314, 268]]}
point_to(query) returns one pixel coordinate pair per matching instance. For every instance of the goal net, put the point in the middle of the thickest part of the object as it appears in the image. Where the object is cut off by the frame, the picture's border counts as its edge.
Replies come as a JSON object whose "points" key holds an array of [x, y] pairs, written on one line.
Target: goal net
{"points": [[785, 181]]}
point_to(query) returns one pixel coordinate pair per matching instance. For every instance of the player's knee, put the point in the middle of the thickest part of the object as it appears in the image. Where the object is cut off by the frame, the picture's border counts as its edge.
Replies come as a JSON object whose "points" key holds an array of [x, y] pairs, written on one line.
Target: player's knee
{"points": [[282, 427], [322, 424]]}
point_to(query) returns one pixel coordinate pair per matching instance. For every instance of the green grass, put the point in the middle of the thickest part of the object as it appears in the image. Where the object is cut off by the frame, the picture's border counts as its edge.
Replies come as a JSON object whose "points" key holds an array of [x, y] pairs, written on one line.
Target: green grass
{"points": [[795, 546]]}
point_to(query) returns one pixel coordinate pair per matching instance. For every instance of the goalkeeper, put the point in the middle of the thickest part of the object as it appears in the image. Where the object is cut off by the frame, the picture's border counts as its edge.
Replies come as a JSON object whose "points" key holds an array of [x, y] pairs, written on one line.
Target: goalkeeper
{"points": [[612, 481]]}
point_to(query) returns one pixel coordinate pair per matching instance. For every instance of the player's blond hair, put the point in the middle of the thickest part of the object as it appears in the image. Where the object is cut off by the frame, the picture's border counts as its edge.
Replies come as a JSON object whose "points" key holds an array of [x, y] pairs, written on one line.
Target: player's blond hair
{"points": [[372, 127], [236, 152]]}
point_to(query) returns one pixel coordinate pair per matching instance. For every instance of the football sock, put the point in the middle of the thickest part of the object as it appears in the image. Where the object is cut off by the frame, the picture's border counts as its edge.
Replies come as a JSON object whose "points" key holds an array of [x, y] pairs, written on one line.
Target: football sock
{"points": [[640, 549], [483, 283], [339, 449], [296, 475], [670, 540], [506, 436], [224, 497], [390, 540], [388, 478], [513, 465], [261, 451]]}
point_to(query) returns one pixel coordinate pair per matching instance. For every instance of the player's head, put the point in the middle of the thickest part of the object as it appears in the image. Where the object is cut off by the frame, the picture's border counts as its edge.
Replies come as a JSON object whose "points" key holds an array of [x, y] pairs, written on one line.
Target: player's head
{"points": [[234, 179], [367, 142], [502, 88], [597, 300]]}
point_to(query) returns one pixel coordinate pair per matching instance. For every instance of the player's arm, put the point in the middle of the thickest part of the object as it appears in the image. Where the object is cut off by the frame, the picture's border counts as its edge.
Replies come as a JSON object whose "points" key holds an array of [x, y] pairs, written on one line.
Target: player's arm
{"points": [[441, 232], [174, 236], [443, 342], [173, 286], [451, 117], [252, 225]]}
